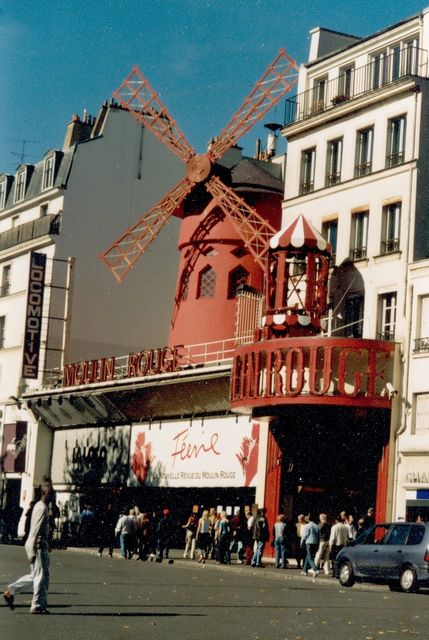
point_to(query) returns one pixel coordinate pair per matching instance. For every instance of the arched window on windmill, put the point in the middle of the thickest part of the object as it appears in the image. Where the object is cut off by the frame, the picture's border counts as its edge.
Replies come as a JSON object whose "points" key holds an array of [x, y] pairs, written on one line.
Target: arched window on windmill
{"points": [[237, 278], [207, 283]]}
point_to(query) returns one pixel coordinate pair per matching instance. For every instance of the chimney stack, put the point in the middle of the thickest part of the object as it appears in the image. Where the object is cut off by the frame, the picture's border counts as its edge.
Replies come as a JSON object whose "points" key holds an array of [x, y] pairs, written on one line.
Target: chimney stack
{"points": [[78, 130]]}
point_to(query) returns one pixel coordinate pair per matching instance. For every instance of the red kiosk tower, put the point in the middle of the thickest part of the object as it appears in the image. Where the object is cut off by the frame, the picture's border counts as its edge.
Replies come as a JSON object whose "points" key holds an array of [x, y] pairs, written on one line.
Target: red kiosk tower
{"points": [[324, 397]]}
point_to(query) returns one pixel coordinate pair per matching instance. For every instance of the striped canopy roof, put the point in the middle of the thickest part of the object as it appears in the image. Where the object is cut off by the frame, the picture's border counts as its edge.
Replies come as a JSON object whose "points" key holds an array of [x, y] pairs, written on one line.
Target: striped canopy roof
{"points": [[298, 235]]}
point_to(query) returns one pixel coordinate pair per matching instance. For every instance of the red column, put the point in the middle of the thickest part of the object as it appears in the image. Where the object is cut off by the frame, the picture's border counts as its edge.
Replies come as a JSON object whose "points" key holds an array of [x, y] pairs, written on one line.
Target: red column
{"points": [[272, 482], [382, 485]]}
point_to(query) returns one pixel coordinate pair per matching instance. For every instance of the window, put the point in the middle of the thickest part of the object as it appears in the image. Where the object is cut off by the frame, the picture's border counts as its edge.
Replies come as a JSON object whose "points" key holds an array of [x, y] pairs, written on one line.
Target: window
{"points": [[345, 84], [421, 344], [319, 94], [395, 141], [398, 534], [353, 320], [207, 284], [5, 281], [48, 173], [359, 236], [3, 185], [377, 535], [185, 286], [333, 162], [417, 534], [410, 56], [421, 413], [2, 331], [391, 227], [379, 69], [237, 278], [308, 163], [20, 186], [330, 232], [387, 316], [364, 145]]}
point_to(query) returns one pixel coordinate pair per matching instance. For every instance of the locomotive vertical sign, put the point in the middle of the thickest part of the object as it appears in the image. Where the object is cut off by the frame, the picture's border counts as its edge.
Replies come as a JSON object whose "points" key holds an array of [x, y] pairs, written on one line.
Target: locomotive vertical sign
{"points": [[33, 316]]}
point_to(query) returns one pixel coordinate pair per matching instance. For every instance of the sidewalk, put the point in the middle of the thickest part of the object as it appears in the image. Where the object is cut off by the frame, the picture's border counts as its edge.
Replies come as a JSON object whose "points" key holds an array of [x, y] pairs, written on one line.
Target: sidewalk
{"points": [[268, 568]]}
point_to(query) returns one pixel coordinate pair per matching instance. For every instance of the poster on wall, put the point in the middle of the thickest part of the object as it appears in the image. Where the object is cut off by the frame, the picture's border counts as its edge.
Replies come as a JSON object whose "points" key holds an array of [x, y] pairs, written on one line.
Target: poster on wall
{"points": [[215, 452], [95, 455], [14, 447]]}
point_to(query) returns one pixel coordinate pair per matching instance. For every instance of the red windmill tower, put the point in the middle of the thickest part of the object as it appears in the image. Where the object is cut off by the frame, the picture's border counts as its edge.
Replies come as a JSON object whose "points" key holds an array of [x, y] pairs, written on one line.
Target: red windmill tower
{"points": [[224, 237]]}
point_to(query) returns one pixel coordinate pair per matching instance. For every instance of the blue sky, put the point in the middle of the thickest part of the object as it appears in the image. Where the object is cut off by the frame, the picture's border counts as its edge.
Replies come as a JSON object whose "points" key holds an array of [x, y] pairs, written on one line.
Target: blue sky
{"points": [[58, 57]]}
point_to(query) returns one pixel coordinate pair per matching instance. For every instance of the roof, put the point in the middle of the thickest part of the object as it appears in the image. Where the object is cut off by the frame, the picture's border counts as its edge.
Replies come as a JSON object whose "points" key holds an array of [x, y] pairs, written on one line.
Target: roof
{"points": [[251, 175], [299, 234], [35, 177], [361, 40]]}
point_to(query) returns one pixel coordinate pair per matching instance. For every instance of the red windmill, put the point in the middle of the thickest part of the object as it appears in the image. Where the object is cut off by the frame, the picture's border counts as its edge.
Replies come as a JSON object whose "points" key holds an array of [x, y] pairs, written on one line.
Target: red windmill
{"points": [[203, 190]]}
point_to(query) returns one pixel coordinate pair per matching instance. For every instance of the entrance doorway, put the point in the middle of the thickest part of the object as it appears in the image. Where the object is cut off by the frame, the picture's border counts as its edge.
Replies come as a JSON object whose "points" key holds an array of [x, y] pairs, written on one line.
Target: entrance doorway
{"points": [[330, 458]]}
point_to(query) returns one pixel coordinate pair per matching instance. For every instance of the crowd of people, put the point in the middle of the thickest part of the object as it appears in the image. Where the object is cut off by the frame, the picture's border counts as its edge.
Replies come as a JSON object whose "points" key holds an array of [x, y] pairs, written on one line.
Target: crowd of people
{"points": [[241, 538]]}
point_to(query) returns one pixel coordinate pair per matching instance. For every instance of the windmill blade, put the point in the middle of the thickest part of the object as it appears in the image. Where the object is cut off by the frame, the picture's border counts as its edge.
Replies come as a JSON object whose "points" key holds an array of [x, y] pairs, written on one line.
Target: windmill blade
{"points": [[124, 253], [278, 79], [137, 95], [253, 229]]}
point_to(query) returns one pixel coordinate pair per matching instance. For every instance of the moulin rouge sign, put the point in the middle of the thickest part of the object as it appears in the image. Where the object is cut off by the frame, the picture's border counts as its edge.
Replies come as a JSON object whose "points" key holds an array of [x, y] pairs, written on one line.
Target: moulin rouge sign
{"points": [[341, 371], [143, 363]]}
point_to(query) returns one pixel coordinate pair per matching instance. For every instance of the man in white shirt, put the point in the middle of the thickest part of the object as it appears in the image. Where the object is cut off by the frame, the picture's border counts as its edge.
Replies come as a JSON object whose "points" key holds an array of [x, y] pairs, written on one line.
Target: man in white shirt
{"points": [[338, 538], [37, 549]]}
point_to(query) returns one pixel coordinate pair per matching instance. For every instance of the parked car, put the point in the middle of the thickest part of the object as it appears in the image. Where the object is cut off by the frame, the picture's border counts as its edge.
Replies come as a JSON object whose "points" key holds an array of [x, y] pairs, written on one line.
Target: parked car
{"points": [[395, 553]]}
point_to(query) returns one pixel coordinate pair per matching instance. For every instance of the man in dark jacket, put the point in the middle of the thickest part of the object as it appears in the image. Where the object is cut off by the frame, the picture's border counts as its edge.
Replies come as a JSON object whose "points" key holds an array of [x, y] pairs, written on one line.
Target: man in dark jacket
{"points": [[164, 535], [261, 535]]}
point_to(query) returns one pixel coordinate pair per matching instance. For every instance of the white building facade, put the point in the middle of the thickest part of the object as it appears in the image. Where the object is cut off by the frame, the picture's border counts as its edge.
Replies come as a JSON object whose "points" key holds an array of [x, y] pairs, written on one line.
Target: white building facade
{"points": [[357, 169], [68, 208]]}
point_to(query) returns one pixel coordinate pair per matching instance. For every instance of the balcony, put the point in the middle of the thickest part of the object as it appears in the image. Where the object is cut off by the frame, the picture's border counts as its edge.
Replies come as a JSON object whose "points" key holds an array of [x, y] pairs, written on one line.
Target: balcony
{"points": [[359, 253], [48, 225], [390, 246], [388, 336], [421, 345], [411, 61]]}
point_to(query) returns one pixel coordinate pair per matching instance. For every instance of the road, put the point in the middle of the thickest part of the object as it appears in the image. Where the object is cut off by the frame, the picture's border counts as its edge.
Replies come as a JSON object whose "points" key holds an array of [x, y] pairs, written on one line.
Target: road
{"points": [[102, 599]]}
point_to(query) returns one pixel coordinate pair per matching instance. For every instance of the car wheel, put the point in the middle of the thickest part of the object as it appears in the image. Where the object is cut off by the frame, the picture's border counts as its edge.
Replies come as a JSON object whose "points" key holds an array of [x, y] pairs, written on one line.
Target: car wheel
{"points": [[346, 575], [408, 580]]}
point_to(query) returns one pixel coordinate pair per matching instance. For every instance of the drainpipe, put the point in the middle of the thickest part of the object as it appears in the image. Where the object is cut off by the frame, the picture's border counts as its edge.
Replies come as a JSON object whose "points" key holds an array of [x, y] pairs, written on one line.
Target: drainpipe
{"points": [[407, 307]]}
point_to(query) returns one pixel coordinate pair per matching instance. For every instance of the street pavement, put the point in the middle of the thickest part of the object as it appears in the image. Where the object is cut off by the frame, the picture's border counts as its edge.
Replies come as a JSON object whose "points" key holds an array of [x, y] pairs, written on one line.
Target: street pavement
{"points": [[93, 598]]}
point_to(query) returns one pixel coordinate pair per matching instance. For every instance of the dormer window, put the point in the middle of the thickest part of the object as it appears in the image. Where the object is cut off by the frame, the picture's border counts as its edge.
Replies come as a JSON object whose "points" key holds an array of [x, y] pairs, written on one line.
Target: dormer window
{"points": [[20, 185], [48, 172], [3, 188]]}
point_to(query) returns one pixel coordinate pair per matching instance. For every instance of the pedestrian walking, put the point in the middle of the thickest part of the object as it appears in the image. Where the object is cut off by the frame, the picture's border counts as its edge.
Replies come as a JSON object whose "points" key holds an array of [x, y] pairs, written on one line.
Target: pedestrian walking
{"points": [[106, 528], [164, 535], [126, 529], [37, 548], [279, 535], [203, 536], [337, 539], [324, 551], [310, 539], [261, 535], [87, 529], [248, 537], [223, 538], [143, 527], [300, 552], [190, 536]]}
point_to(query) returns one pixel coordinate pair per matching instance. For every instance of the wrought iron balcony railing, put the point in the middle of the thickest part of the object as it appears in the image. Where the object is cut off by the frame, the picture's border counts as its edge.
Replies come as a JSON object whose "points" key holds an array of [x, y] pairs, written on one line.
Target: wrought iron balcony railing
{"points": [[48, 225], [409, 61], [389, 336], [390, 246], [358, 253], [421, 345]]}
